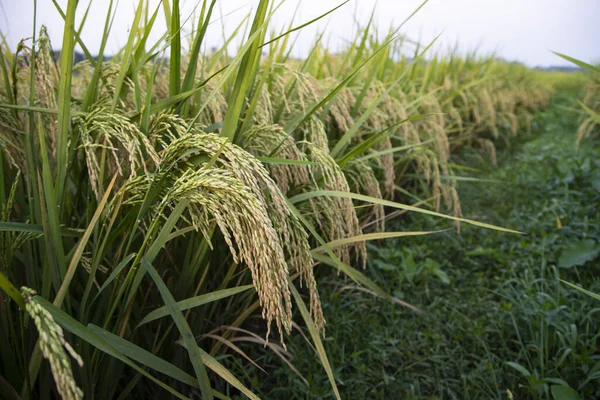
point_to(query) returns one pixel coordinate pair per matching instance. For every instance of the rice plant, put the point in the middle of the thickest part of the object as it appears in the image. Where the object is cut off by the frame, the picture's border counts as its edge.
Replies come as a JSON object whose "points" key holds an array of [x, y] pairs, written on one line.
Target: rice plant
{"points": [[163, 204]]}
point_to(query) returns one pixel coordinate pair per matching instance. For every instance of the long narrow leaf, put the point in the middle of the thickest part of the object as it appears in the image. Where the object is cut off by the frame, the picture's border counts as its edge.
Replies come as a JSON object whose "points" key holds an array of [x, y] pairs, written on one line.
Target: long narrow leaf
{"points": [[314, 334], [370, 236], [195, 302], [387, 203], [64, 97], [12, 291], [194, 352]]}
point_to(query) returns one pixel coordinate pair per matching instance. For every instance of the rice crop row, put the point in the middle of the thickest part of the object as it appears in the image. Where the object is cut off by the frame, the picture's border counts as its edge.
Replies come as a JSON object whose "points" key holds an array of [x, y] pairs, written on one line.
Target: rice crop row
{"points": [[164, 204]]}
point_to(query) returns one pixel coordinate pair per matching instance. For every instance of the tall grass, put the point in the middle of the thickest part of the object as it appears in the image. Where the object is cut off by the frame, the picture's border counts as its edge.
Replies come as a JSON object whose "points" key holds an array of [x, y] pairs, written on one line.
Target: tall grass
{"points": [[158, 208]]}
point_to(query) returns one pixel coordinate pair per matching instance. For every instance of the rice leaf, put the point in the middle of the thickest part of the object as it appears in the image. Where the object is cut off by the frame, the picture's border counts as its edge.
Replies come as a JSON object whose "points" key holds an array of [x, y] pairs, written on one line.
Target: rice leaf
{"points": [[370, 236], [195, 302], [582, 64], [12, 291], [186, 333], [314, 334], [64, 98], [387, 203]]}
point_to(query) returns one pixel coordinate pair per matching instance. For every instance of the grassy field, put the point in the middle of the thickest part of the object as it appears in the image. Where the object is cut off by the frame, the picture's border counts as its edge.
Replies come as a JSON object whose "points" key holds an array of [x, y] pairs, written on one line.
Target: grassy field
{"points": [[172, 219]]}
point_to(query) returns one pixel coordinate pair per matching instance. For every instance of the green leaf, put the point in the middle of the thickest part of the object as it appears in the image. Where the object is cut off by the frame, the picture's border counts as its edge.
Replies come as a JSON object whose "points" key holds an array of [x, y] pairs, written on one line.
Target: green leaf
{"points": [[314, 334], [375, 138], [32, 108], [370, 236], [194, 352], [20, 227], [175, 59], [246, 72], [11, 290], [579, 253], [300, 119], [115, 273], [285, 161], [481, 251], [332, 260], [387, 203], [203, 22], [441, 274], [560, 392], [50, 217], [64, 98], [521, 369], [195, 302], [579, 63], [591, 294], [35, 360], [92, 88], [64, 287], [378, 153], [372, 106], [35, 228], [297, 28], [228, 71], [127, 52]]}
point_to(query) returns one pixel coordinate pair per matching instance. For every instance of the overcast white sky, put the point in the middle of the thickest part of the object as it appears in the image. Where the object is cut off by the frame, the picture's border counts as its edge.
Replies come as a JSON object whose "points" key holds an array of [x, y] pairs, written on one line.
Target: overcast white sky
{"points": [[521, 30]]}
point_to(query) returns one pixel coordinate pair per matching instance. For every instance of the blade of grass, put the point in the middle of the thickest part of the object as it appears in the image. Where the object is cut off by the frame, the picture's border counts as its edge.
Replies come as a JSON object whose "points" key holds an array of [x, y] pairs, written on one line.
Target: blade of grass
{"points": [[194, 352], [245, 72], [224, 373], [114, 274], [284, 161], [370, 236], [333, 260], [393, 150], [314, 334], [34, 228], [190, 74], [12, 291], [195, 302], [374, 139], [64, 99], [175, 59], [354, 196], [587, 292], [579, 63], [127, 52], [297, 28], [60, 296], [51, 216], [171, 305], [92, 90]]}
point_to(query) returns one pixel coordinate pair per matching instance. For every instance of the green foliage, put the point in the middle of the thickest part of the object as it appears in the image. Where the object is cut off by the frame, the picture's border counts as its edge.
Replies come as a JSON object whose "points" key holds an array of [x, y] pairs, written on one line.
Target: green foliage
{"points": [[233, 189]]}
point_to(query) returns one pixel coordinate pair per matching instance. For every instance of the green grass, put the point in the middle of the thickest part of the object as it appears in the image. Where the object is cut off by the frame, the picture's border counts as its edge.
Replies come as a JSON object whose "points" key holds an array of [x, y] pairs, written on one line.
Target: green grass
{"points": [[494, 308]]}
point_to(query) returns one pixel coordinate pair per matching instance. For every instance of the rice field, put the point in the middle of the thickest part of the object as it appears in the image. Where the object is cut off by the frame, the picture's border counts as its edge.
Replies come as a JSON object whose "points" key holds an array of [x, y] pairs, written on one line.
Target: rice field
{"points": [[164, 210]]}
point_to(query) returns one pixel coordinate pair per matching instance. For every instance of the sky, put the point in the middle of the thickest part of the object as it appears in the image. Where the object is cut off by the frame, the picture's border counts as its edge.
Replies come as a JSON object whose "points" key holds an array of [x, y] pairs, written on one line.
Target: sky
{"points": [[517, 30]]}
